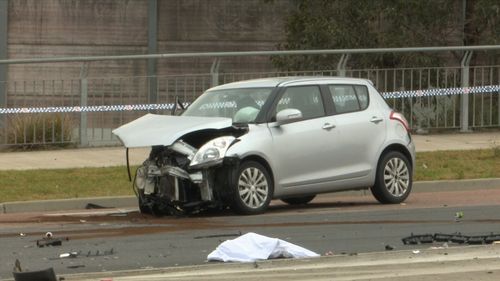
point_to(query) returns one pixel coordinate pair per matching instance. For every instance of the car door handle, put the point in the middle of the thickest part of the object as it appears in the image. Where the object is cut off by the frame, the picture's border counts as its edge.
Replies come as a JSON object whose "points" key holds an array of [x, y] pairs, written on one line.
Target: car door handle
{"points": [[328, 126], [376, 119]]}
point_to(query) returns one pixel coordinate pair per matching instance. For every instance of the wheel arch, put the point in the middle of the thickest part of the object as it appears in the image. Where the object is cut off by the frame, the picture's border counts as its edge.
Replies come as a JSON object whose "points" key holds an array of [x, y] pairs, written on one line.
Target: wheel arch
{"points": [[397, 147], [261, 161]]}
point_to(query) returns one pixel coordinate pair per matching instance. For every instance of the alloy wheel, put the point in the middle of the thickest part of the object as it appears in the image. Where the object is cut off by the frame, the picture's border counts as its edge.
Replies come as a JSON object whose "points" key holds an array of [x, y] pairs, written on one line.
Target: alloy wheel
{"points": [[253, 187], [396, 177]]}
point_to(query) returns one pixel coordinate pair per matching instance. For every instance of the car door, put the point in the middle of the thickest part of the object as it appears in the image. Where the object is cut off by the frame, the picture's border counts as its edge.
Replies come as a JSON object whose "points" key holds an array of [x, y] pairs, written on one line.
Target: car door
{"points": [[301, 150], [359, 132]]}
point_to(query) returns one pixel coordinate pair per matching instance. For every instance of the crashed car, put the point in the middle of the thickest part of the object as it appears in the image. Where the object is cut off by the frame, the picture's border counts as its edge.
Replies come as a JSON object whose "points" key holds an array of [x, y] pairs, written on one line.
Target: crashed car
{"points": [[242, 144]]}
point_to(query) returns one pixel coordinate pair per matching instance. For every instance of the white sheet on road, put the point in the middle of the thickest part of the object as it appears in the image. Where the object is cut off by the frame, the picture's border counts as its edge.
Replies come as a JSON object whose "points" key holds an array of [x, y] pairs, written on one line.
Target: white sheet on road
{"points": [[251, 247]]}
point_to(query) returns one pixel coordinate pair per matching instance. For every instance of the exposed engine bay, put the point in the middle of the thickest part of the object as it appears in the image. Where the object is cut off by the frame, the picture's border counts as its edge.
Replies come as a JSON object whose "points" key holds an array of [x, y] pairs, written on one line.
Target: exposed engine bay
{"points": [[188, 176]]}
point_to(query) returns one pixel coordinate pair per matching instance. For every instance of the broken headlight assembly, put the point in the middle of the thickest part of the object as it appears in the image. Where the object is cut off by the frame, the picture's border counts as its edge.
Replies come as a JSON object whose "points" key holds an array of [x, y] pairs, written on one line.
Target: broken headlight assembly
{"points": [[212, 152]]}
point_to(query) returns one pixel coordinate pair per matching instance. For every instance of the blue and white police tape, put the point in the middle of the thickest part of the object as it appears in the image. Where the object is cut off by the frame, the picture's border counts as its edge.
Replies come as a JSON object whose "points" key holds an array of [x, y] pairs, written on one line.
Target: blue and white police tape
{"points": [[495, 89], [442, 92], [92, 108]]}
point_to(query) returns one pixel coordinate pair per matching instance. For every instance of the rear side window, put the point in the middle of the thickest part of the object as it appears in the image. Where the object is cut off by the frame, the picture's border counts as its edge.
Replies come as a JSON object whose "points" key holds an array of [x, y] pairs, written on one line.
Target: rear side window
{"points": [[349, 98]]}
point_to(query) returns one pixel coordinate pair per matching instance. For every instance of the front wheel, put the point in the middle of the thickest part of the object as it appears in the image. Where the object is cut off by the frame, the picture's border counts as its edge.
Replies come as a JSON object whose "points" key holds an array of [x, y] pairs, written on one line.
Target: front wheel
{"points": [[253, 189], [394, 178]]}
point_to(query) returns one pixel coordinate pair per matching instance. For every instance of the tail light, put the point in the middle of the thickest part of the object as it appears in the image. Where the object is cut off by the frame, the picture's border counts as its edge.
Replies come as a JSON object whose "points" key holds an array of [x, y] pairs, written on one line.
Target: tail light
{"points": [[399, 117]]}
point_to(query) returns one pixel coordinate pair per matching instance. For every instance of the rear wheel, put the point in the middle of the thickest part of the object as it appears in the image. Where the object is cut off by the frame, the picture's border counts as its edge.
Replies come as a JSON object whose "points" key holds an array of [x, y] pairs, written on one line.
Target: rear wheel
{"points": [[394, 178], [253, 189], [298, 200]]}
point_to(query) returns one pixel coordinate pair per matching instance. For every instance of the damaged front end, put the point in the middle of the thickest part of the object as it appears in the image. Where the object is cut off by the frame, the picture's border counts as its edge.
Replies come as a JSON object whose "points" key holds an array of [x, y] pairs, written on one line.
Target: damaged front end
{"points": [[183, 179], [187, 169]]}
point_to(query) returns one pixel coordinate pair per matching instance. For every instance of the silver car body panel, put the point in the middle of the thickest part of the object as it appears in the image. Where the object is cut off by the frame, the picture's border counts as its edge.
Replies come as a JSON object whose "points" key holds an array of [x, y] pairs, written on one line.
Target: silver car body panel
{"points": [[306, 158], [334, 152], [152, 129]]}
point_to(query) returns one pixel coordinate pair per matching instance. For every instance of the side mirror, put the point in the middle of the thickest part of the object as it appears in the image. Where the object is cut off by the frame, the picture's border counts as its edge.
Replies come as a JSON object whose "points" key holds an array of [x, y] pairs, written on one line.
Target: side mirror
{"points": [[288, 115]]}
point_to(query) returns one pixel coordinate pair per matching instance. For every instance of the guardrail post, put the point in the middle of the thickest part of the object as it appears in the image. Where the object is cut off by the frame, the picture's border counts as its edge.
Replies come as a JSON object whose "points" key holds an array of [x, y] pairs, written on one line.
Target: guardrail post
{"points": [[341, 65], [152, 49], [214, 72], [464, 109], [3, 55], [84, 141]]}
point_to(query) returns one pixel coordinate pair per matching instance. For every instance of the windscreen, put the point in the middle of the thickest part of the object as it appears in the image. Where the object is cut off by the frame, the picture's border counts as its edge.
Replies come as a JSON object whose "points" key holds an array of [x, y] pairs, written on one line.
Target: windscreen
{"points": [[241, 105]]}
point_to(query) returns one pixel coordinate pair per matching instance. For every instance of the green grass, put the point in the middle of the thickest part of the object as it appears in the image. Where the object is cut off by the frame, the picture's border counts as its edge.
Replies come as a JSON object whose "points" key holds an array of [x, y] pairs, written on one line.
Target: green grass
{"points": [[450, 165], [63, 183], [113, 181]]}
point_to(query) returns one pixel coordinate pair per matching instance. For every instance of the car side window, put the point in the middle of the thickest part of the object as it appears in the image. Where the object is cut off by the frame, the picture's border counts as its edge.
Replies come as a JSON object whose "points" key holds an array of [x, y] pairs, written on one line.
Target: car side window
{"points": [[307, 99], [362, 93], [349, 98]]}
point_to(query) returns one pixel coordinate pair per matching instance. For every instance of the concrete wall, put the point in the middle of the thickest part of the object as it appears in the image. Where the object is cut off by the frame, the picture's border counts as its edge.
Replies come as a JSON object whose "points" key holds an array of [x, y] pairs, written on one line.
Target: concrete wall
{"points": [[219, 25], [61, 28], [115, 27]]}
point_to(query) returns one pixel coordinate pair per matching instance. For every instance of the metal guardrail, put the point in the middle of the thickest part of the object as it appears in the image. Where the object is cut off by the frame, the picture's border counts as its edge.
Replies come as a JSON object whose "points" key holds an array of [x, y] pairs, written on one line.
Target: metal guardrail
{"points": [[460, 112]]}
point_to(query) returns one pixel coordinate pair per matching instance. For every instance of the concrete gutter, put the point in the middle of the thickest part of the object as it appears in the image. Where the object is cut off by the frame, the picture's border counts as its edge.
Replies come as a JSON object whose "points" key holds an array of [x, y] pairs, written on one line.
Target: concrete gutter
{"points": [[67, 204], [131, 201]]}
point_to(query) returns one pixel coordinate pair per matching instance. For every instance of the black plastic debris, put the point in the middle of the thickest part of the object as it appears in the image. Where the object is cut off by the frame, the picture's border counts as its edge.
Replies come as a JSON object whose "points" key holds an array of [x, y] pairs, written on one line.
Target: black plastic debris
{"points": [[438, 237], [389, 248], [39, 275], [17, 266], [50, 240], [95, 206], [101, 253], [75, 266], [491, 238], [457, 238], [418, 239], [218, 235], [476, 240]]}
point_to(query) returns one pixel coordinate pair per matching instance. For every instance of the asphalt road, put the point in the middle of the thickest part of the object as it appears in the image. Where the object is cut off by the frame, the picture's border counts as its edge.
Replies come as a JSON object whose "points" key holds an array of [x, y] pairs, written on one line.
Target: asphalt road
{"points": [[109, 240]]}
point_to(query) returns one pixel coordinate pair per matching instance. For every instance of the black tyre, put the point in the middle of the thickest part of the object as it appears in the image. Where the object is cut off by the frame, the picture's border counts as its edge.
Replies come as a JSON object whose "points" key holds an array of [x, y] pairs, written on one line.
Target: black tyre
{"points": [[144, 208], [394, 178], [298, 200], [252, 189]]}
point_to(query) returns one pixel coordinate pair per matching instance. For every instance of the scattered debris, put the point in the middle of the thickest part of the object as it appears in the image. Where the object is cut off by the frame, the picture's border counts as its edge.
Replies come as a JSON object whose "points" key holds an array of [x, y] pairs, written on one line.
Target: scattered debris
{"points": [[49, 240], [83, 221], [389, 248], [416, 252], [418, 239], [329, 253], [95, 206], [453, 238], [22, 234], [75, 266], [459, 216], [45, 274], [219, 235], [251, 247], [69, 255], [101, 253], [79, 254], [17, 266]]}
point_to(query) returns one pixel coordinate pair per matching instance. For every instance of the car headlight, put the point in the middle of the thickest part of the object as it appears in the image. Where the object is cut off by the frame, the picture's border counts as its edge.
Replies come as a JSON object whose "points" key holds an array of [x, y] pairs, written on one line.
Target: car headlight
{"points": [[212, 152]]}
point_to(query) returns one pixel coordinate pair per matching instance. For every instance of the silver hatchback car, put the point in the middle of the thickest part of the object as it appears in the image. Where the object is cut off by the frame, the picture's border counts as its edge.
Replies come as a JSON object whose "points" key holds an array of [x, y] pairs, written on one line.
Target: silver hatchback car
{"points": [[242, 144]]}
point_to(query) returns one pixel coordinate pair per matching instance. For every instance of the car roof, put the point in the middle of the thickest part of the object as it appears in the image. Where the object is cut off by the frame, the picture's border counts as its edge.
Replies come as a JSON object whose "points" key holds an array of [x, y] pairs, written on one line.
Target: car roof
{"points": [[288, 81]]}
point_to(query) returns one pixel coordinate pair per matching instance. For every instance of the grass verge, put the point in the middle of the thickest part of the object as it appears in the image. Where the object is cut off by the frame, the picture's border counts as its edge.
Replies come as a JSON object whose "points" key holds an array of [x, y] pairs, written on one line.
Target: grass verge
{"points": [[91, 182]]}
